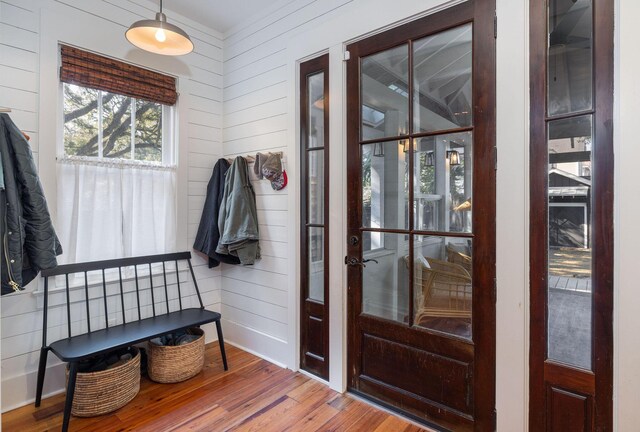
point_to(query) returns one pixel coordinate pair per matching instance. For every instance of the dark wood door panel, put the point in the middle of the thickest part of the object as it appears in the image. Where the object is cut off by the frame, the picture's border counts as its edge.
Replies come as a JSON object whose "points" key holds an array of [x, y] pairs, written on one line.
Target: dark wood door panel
{"points": [[568, 411], [438, 416], [567, 377], [439, 379]]}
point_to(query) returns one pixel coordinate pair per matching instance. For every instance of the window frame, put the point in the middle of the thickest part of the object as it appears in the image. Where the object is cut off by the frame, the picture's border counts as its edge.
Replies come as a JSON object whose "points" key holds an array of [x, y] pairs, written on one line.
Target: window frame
{"points": [[169, 138]]}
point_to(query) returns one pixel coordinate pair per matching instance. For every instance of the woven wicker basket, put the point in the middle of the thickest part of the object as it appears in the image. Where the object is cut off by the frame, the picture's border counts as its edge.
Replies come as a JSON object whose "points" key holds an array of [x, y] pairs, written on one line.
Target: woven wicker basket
{"points": [[171, 364], [105, 391]]}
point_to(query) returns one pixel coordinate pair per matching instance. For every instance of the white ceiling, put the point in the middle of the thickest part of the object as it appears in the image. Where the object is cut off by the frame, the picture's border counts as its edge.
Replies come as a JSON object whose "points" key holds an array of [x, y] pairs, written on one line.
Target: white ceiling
{"points": [[220, 15]]}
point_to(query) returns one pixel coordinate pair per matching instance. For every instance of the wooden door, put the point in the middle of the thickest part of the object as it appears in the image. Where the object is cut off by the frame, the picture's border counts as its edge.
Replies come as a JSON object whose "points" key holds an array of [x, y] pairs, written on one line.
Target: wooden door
{"points": [[421, 234], [314, 175], [571, 353]]}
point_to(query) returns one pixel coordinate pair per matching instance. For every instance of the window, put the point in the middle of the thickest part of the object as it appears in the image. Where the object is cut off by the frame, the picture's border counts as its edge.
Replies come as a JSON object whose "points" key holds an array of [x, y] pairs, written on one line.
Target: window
{"points": [[108, 125], [314, 216], [116, 173]]}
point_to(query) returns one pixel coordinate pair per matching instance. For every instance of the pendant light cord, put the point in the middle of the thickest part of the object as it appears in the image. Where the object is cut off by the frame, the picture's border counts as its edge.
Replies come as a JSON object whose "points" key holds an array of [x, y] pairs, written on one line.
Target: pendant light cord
{"points": [[160, 6]]}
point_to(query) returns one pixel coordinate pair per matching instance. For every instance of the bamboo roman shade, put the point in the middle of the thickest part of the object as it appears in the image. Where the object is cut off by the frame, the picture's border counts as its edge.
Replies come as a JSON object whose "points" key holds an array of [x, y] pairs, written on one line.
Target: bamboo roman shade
{"points": [[95, 71]]}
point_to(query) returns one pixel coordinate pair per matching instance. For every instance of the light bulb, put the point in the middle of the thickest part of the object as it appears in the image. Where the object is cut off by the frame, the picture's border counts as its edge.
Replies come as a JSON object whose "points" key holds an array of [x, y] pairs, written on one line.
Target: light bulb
{"points": [[160, 36]]}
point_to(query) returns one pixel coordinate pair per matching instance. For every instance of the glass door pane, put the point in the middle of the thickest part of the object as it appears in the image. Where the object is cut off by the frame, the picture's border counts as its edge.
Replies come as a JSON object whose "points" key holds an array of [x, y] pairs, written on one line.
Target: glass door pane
{"points": [[385, 94], [315, 108], [443, 176], [442, 294], [442, 74], [316, 263], [385, 279], [385, 187], [570, 294], [570, 64]]}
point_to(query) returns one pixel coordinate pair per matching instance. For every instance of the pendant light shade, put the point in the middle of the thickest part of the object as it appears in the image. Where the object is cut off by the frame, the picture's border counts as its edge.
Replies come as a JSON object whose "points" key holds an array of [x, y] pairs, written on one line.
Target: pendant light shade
{"points": [[159, 37]]}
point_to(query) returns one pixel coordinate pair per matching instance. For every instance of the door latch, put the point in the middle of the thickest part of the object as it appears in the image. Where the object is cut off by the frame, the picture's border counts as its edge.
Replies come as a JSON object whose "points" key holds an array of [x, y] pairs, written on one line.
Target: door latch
{"points": [[353, 261]]}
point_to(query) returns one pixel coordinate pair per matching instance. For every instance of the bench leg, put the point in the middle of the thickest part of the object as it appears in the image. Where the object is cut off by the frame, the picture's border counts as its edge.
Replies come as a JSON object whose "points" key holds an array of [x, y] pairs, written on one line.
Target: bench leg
{"points": [[71, 387], [42, 368], [221, 342]]}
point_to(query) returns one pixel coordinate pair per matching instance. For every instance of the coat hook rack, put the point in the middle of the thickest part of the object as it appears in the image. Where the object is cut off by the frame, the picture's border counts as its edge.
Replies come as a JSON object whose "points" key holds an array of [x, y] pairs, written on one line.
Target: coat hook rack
{"points": [[5, 110], [252, 158]]}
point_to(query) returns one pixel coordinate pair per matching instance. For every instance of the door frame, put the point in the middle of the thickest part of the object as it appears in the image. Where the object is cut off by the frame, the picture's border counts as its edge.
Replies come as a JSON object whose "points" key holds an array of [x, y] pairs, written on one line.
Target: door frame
{"points": [[482, 13]]}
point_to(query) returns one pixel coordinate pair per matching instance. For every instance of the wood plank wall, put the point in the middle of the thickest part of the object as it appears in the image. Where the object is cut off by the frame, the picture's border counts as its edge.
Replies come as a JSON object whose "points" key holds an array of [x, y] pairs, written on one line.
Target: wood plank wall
{"points": [[19, 69], [256, 86]]}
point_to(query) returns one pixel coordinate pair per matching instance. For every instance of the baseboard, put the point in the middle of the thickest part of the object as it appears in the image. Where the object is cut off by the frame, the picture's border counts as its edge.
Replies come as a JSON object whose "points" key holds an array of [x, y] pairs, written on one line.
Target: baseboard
{"points": [[20, 390], [254, 342]]}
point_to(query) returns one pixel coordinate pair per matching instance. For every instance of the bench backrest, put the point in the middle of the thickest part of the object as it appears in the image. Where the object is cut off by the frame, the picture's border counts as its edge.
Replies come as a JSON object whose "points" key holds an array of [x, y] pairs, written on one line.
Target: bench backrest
{"points": [[147, 262]]}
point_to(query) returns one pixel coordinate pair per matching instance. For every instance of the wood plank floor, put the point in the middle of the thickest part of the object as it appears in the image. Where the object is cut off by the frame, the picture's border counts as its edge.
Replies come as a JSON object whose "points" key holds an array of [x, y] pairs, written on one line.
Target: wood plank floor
{"points": [[254, 395]]}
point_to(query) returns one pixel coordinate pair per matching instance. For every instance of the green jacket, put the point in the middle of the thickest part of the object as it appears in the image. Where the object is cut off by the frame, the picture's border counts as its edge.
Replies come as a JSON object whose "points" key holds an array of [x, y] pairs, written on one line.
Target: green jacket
{"points": [[29, 241], [238, 217]]}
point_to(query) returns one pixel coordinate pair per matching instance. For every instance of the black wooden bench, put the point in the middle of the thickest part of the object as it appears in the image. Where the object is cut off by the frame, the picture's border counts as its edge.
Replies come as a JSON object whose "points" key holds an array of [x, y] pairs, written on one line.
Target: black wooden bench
{"points": [[76, 348]]}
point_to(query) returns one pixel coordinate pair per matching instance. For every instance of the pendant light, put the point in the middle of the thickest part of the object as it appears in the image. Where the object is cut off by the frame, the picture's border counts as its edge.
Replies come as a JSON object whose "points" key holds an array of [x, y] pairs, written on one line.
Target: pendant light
{"points": [[159, 37]]}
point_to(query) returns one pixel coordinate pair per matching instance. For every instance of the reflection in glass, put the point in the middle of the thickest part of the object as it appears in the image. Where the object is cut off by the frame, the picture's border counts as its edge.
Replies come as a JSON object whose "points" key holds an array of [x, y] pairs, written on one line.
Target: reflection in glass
{"points": [[315, 85], [316, 263], [116, 126], [385, 93], [442, 74], [570, 184], [315, 175], [570, 65], [385, 281], [443, 175], [442, 284], [385, 188]]}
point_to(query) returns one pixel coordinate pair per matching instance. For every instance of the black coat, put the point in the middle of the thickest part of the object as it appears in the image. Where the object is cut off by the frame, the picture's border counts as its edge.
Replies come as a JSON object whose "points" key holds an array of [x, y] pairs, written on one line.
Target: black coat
{"points": [[208, 232], [29, 241]]}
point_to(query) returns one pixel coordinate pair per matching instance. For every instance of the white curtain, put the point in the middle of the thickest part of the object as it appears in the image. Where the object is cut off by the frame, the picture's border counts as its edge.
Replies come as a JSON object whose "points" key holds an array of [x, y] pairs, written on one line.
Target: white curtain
{"points": [[114, 210]]}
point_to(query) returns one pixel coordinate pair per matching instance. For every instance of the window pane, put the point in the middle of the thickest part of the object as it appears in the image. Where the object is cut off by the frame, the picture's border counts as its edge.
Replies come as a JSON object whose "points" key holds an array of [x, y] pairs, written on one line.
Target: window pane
{"points": [[315, 176], [442, 284], [80, 121], [316, 264], [385, 187], [385, 93], [570, 65], [570, 183], [443, 174], [315, 84], [385, 283], [148, 131], [443, 80], [116, 126]]}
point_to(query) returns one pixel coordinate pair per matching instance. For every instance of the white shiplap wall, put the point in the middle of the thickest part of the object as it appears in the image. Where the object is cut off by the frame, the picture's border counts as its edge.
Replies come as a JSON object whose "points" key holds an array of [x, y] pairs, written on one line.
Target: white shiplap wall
{"points": [[255, 300], [201, 112]]}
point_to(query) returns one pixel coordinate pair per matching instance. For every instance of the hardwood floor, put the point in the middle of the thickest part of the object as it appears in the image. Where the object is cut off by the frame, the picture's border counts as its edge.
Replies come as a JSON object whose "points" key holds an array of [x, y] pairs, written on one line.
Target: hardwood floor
{"points": [[254, 395]]}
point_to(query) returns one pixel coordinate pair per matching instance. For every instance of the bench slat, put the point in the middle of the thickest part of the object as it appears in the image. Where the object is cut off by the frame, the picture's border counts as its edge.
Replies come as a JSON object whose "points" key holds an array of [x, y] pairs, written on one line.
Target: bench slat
{"points": [[100, 341]]}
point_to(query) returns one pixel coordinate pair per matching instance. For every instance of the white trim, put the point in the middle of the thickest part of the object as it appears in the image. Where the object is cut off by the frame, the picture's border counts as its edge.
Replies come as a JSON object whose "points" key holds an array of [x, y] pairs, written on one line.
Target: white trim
{"points": [[100, 125]]}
